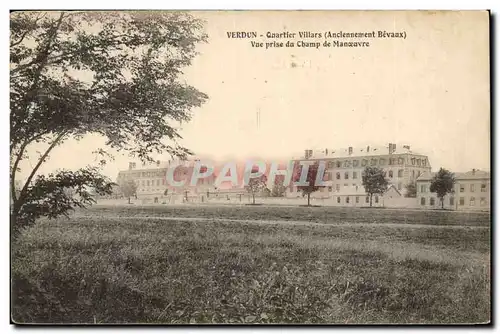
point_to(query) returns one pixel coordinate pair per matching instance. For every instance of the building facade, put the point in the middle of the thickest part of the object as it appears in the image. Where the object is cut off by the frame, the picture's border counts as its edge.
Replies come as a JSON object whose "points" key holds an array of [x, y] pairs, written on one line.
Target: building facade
{"points": [[471, 192], [152, 184], [344, 168]]}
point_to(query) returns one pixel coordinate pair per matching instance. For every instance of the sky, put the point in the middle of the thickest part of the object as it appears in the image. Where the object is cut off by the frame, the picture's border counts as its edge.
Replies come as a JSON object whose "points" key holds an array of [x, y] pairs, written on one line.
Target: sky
{"points": [[429, 90]]}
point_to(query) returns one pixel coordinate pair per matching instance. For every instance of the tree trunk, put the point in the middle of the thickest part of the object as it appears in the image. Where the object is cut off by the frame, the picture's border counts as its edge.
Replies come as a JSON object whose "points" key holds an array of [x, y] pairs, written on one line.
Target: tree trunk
{"points": [[129, 200], [253, 198], [442, 203], [371, 200], [308, 199]]}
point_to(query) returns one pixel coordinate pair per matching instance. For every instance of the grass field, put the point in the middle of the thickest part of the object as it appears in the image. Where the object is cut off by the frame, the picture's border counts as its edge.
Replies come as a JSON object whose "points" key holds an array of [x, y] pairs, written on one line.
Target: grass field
{"points": [[254, 265]]}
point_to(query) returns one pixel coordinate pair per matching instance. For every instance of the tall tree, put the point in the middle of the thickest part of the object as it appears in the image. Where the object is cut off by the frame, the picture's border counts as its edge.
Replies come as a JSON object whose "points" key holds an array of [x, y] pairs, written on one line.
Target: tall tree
{"points": [[113, 74], [442, 184], [312, 173], [279, 187], [256, 185], [374, 181], [128, 189], [411, 189]]}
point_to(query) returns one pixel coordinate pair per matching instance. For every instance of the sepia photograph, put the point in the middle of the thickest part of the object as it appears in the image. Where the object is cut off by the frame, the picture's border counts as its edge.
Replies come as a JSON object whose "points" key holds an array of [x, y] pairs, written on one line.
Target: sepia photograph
{"points": [[250, 167]]}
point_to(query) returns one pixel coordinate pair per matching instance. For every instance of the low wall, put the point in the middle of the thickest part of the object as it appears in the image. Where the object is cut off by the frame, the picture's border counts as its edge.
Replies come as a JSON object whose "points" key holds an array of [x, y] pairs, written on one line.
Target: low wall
{"points": [[236, 199]]}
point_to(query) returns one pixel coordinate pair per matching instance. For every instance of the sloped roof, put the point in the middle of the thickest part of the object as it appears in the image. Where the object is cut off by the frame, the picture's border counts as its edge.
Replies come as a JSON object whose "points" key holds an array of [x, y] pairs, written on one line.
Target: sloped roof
{"points": [[470, 175], [473, 175], [395, 189]]}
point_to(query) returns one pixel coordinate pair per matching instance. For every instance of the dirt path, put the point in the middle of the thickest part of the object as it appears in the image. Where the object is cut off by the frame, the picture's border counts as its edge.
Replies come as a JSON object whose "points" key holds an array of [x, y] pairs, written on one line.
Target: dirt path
{"points": [[289, 222]]}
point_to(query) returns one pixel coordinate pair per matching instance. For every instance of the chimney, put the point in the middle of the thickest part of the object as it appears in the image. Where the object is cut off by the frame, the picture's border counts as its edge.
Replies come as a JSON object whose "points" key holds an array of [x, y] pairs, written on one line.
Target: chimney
{"points": [[131, 165], [473, 171], [326, 151], [350, 150], [368, 149], [307, 154], [157, 163]]}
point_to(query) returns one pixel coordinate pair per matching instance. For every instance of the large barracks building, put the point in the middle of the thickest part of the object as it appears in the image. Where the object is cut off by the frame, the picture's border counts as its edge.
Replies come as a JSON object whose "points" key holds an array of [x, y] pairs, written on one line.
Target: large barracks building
{"points": [[344, 168]]}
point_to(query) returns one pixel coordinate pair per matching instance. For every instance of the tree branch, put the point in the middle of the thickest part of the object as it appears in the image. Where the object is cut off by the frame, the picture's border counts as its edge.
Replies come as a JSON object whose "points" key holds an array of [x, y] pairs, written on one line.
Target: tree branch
{"points": [[27, 31], [22, 195]]}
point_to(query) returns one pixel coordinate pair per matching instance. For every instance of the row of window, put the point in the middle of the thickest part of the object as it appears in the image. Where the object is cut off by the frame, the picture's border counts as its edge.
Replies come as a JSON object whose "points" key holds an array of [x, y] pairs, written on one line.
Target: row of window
{"points": [[375, 162], [355, 174], [337, 186], [472, 187], [136, 175], [461, 201], [356, 198]]}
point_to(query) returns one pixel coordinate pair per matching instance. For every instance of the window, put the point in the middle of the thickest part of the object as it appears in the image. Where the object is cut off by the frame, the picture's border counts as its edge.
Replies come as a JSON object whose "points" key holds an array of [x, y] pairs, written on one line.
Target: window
{"points": [[338, 200], [462, 188], [147, 183], [482, 201], [339, 164], [422, 201], [472, 188], [432, 201], [337, 187], [413, 161], [472, 201], [401, 161], [347, 163], [423, 188], [357, 199], [452, 201], [347, 199], [367, 199], [143, 183], [400, 186], [337, 176], [462, 201], [424, 162], [392, 161], [330, 164], [373, 162], [382, 162], [483, 187], [354, 175], [418, 162], [346, 185], [330, 189], [364, 162], [376, 199], [157, 182], [355, 163], [346, 175], [390, 174], [400, 173]]}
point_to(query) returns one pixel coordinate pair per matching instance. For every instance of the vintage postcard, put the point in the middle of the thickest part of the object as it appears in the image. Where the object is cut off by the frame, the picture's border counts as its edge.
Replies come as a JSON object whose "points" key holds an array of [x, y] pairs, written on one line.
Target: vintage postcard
{"points": [[250, 167]]}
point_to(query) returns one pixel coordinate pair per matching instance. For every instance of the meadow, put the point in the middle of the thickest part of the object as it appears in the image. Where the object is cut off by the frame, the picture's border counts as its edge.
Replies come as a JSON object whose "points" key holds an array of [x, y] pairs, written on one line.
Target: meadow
{"points": [[253, 264]]}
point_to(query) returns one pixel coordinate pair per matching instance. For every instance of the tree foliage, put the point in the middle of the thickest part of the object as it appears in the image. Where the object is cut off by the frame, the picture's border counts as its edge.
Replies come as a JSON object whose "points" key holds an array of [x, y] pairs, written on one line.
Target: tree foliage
{"points": [[411, 189], [279, 188], [442, 183], [312, 174], [374, 181], [48, 195], [117, 75], [256, 185], [128, 189]]}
